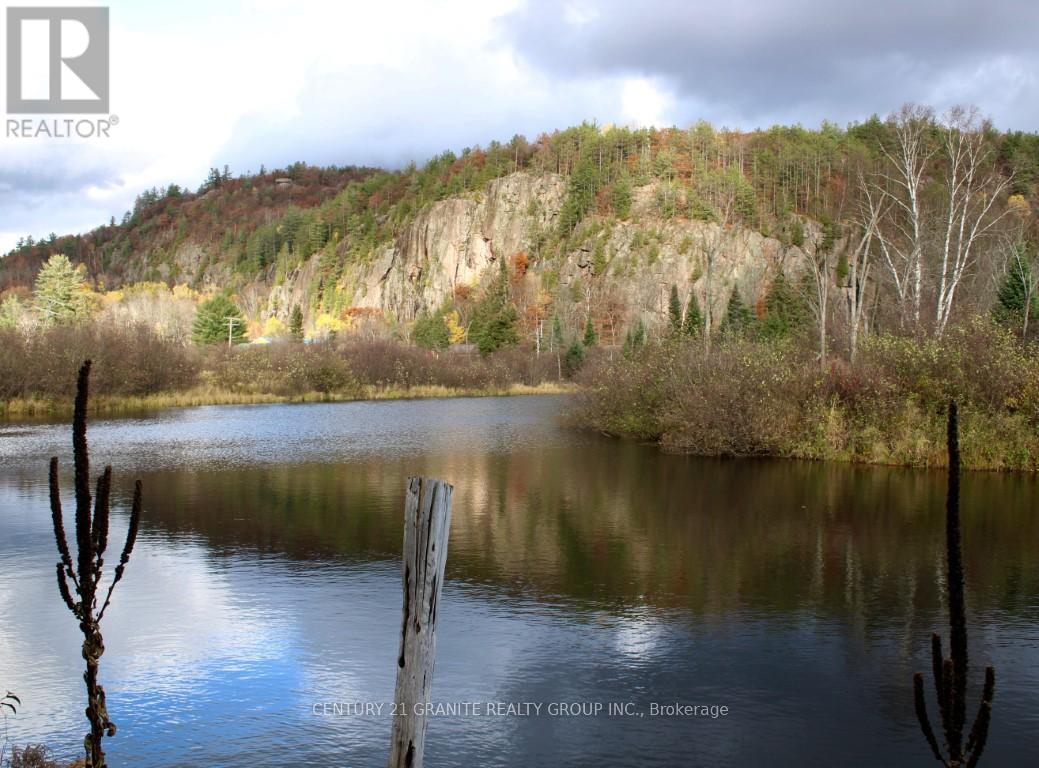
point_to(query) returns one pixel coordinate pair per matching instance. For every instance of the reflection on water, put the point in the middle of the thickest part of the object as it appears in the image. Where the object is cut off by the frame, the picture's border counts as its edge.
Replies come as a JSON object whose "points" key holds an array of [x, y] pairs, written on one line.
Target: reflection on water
{"points": [[581, 569]]}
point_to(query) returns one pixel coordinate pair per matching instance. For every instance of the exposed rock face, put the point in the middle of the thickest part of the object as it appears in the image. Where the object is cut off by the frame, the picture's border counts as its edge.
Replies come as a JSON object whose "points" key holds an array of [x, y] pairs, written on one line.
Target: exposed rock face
{"points": [[628, 266], [634, 263], [455, 242]]}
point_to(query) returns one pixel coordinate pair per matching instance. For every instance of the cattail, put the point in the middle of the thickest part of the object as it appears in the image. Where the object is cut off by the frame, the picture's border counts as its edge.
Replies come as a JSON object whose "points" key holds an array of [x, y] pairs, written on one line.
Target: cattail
{"points": [[950, 675], [91, 541]]}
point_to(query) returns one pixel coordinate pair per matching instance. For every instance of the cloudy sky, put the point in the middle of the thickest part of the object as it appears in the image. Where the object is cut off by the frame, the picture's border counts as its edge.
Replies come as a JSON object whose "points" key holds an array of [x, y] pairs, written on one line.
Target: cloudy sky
{"points": [[197, 84]]}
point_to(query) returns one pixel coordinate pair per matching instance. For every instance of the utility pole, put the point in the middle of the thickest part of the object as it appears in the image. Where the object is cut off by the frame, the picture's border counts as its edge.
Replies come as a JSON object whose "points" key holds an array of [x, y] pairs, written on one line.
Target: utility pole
{"points": [[231, 320]]}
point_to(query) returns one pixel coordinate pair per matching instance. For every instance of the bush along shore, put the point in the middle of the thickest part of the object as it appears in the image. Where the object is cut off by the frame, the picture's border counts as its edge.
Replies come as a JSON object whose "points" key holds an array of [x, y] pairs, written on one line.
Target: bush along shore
{"points": [[136, 370], [754, 397]]}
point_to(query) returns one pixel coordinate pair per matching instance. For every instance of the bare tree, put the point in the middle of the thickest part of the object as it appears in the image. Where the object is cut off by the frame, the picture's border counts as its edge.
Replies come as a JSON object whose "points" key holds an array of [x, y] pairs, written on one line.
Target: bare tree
{"points": [[858, 249], [820, 266], [723, 190], [948, 230], [973, 188], [710, 246], [899, 185]]}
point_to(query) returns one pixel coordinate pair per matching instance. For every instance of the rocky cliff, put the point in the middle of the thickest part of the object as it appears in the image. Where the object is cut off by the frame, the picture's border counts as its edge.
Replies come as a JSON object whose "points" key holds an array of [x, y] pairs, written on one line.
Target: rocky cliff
{"points": [[628, 264]]}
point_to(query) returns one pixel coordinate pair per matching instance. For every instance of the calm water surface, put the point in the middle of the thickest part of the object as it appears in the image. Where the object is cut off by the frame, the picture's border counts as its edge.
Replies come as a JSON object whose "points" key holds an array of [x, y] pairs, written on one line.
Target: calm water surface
{"points": [[266, 581]]}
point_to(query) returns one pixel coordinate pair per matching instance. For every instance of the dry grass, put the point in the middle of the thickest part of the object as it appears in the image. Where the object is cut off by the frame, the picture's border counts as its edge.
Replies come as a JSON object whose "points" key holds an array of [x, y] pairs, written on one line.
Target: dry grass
{"points": [[116, 404]]}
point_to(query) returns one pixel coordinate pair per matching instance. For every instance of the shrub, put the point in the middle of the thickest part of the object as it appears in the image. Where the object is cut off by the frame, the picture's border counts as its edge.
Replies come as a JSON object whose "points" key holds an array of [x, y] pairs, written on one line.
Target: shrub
{"points": [[32, 756], [755, 396], [431, 332], [127, 361]]}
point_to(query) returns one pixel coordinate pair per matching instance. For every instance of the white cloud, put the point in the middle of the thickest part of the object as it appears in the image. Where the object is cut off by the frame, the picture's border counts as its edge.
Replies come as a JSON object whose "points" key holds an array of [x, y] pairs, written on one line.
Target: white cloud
{"points": [[198, 84], [645, 103], [270, 82]]}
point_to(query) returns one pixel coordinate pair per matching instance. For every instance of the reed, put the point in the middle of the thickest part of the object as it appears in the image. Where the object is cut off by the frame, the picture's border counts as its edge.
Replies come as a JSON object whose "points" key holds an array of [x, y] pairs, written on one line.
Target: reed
{"points": [[85, 573], [950, 674], [116, 404]]}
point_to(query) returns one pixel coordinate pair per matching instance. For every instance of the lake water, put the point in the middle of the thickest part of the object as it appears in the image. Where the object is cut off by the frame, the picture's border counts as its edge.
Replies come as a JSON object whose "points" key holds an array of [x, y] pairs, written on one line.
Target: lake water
{"points": [[581, 570]]}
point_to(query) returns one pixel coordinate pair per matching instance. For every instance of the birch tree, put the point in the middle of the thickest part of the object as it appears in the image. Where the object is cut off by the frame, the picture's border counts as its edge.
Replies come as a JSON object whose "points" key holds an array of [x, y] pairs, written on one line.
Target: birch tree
{"points": [[858, 248], [974, 189], [897, 187], [820, 266]]}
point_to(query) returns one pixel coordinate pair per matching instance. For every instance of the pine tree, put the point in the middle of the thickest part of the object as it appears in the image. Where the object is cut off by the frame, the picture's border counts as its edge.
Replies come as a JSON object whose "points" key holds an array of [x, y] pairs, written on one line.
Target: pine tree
{"points": [[296, 323], [738, 319], [431, 331], [785, 310], [11, 311], [591, 338], [213, 180], [580, 195], [60, 294], [674, 312], [693, 325], [494, 317], [621, 197], [574, 358], [1019, 289], [557, 332], [213, 319]]}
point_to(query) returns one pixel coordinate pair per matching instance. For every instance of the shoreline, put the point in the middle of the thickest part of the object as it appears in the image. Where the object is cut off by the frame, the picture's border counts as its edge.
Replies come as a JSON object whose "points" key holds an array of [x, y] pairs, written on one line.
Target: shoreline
{"points": [[33, 408], [115, 405], [975, 458]]}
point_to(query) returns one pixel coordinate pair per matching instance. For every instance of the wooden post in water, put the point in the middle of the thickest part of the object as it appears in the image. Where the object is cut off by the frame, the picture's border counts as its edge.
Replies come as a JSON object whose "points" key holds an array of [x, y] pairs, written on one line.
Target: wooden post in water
{"points": [[427, 520]]}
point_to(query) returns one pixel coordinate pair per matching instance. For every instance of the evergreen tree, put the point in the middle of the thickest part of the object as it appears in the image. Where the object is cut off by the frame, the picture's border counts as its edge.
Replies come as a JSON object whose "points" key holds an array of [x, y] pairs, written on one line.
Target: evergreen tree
{"points": [[11, 311], [296, 323], [785, 310], [213, 319], [60, 294], [431, 331], [557, 332], [693, 325], [1018, 291], [213, 180], [580, 194], [621, 197], [738, 319], [574, 358], [591, 338], [494, 317], [674, 312]]}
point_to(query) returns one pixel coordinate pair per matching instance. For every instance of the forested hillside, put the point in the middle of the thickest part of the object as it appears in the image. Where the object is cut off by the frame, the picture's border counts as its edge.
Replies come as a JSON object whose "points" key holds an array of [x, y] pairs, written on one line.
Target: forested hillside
{"points": [[908, 221], [816, 293]]}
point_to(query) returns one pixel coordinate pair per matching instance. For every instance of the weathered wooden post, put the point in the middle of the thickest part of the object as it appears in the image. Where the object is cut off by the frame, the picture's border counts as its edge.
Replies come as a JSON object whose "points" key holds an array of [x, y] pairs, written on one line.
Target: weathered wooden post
{"points": [[427, 521]]}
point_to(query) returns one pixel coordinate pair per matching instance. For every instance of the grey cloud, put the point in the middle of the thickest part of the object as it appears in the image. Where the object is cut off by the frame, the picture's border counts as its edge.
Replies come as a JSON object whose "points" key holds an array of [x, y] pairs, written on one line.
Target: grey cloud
{"points": [[395, 119], [793, 61], [56, 175], [45, 191]]}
